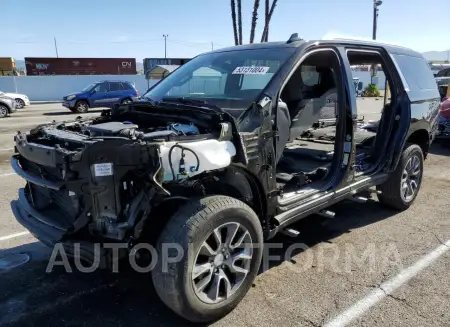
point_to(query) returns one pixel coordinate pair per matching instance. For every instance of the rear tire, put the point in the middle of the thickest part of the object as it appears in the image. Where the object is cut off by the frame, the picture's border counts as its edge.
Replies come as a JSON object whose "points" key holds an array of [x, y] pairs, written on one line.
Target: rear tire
{"points": [[81, 107], [3, 111], [191, 227], [402, 187]]}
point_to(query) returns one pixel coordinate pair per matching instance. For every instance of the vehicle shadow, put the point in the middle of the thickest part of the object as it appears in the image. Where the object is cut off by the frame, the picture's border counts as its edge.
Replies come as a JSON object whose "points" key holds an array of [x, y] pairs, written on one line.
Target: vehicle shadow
{"points": [[68, 112], [33, 297], [440, 147], [316, 229]]}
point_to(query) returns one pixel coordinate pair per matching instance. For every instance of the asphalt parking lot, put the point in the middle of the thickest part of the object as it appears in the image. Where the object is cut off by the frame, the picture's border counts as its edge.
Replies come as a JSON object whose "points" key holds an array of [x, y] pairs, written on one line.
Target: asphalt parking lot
{"points": [[369, 266]]}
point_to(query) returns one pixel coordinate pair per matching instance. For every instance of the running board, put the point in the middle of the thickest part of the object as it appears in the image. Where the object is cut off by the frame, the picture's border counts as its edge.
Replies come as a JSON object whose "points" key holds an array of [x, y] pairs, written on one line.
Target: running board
{"points": [[327, 214], [359, 199], [290, 232]]}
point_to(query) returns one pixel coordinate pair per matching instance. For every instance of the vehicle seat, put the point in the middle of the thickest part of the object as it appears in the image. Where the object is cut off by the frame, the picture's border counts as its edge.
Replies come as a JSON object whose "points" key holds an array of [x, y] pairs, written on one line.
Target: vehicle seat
{"points": [[309, 111], [283, 127]]}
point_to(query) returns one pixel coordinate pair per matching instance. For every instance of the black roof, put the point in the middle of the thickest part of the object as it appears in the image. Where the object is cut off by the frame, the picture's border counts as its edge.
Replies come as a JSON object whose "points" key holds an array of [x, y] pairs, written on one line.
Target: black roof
{"points": [[302, 43]]}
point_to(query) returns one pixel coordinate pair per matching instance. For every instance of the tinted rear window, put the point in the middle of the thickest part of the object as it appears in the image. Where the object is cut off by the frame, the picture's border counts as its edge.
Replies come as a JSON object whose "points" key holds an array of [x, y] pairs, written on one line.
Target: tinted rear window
{"points": [[418, 75], [126, 86], [416, 72]]}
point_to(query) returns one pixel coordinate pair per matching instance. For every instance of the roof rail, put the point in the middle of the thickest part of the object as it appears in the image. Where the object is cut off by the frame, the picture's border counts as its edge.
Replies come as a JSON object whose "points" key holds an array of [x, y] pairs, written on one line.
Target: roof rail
{"points": [[363, 40]]}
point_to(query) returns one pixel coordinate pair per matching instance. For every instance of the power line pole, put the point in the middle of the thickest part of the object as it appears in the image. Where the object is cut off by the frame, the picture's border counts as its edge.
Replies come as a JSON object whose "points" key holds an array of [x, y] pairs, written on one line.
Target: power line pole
{"points": [[212, 46], [165, 44], [56, 47]]}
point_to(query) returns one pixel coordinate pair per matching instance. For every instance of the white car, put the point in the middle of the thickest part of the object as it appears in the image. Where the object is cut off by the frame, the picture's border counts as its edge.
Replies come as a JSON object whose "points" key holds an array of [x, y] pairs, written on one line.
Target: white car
{"points": [[20, 99]]}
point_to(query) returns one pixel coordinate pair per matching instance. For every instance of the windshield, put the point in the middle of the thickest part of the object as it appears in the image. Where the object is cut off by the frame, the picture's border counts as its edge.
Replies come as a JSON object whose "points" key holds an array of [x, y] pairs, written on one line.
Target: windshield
{"points": [[231, 80], [88, 88]]}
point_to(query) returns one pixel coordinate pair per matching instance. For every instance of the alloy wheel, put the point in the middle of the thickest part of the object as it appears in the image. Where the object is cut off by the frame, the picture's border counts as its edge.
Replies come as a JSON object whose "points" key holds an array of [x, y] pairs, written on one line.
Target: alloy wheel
{"points": [[3, 111], [19, 103], [82, 107], [222, 263], [411, 178]]}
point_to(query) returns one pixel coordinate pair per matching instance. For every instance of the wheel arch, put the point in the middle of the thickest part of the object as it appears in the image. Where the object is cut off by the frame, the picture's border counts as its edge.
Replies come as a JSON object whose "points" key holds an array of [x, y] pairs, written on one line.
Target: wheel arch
{"points": [[84, 100], [7, 106], [420, 137], [234, 181], [240, 183]]}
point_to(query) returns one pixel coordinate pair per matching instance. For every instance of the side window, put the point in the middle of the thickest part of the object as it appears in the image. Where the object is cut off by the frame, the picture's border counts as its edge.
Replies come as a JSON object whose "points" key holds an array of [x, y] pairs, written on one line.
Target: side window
{"points": [[418, 77], [310, 76], [416, 72], [114, 86], [101, 88], [125, 86]]}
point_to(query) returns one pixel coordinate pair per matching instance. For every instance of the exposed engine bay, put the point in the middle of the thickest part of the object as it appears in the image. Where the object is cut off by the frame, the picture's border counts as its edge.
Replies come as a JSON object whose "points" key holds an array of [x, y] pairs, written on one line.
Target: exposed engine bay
{"points": [[103, 175]]}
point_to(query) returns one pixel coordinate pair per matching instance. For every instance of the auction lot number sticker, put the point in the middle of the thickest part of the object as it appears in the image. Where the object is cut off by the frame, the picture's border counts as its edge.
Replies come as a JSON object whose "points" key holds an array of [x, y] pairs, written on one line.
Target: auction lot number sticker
{"points": [[103, 169], [251, 70]]}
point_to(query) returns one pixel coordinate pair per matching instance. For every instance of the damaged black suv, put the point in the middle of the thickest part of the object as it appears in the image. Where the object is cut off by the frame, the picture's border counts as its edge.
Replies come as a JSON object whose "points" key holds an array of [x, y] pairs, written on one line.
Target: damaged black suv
{"points": [[228, 150]]}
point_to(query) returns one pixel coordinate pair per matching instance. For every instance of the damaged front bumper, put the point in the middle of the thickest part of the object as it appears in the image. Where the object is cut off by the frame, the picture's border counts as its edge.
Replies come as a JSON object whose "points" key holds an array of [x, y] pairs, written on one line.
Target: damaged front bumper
{"points": [[64, 194], [39, 225]]}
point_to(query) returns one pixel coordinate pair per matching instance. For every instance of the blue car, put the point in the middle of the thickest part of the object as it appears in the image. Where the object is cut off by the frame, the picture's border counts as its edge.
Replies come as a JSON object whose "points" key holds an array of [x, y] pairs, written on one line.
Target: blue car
{"points": [[99, 95]]}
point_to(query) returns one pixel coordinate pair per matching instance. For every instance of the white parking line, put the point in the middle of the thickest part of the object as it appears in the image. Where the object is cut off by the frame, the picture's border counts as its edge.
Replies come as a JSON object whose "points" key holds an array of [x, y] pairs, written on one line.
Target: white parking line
{"points": [[7, 174], [8, 237], [8, 149], [387, 288]]}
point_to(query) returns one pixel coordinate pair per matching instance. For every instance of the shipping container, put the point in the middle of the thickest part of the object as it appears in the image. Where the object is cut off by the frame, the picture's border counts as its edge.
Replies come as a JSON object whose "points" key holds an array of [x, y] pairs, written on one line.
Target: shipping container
{"points": [[7, 66], [150, 63], [80, 66]]}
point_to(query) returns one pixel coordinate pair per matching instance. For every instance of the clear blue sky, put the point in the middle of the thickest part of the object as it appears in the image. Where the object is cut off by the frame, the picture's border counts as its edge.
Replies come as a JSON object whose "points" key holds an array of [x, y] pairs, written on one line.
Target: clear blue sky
{"points": [[118, 28]]}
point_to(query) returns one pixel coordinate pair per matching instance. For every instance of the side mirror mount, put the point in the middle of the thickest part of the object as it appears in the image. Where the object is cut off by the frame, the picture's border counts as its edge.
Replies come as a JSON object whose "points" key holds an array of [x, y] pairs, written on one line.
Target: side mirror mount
{"points": [[93, 91]]}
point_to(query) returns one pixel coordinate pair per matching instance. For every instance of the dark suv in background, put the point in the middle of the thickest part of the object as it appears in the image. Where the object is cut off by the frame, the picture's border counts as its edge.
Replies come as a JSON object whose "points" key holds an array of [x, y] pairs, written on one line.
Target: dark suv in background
{"points": [[101, 94]]}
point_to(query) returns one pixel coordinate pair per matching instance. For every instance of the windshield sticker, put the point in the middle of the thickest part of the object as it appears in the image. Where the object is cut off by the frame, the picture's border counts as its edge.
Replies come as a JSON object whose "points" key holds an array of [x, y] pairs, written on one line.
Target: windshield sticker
{"points": [[251, 70]]}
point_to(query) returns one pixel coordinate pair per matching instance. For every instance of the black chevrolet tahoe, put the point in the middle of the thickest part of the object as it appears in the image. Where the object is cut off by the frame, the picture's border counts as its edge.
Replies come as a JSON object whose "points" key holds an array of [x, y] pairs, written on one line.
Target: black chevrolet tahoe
{"points": [[224, 153]]}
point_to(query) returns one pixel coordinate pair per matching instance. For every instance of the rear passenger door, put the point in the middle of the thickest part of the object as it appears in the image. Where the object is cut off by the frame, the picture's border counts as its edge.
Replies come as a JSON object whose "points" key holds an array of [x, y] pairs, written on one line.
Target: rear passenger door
{"points": [[114, 94]]}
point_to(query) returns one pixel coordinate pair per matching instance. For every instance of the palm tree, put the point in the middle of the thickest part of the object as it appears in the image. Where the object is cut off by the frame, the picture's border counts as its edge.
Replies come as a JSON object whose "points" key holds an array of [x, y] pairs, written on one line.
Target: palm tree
{"points": [[254, 19], [239, 5], [233, 17], [265, 35]]}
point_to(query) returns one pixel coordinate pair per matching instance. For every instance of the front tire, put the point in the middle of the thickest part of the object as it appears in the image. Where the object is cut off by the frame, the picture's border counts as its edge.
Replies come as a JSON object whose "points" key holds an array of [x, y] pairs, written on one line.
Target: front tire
{"points": [[222, 240], [402, 187], [81, 107], [19, 103]]}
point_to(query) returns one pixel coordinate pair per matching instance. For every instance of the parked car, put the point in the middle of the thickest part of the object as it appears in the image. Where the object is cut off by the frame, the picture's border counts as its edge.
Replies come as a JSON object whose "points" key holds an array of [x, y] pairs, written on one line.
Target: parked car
{"points": [[99, 95], [199, 169], [443, 132], [20, 99], [7, 106]]}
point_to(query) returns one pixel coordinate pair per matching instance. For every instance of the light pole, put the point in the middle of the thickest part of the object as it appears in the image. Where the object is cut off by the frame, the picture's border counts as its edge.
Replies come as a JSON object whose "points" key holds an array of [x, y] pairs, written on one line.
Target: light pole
{"points": [[165, 44], [376, 4]]}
